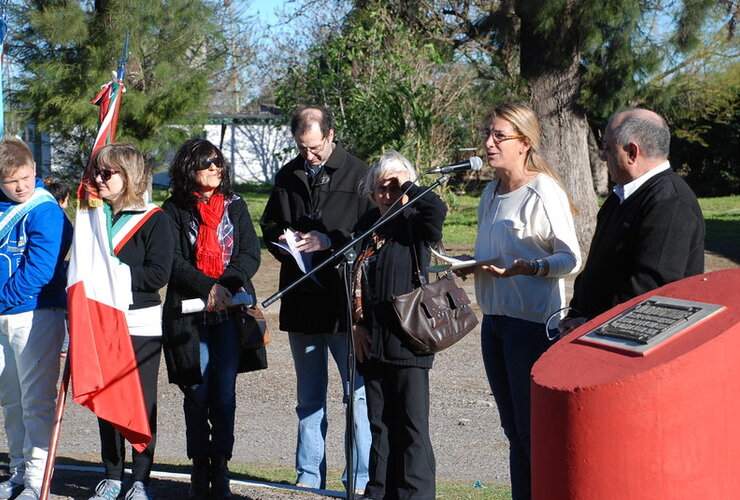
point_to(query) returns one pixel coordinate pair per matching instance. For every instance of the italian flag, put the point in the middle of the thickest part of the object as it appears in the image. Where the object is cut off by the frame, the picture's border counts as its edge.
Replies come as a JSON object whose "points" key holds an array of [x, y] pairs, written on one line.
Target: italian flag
{"points": [[101, 356]]}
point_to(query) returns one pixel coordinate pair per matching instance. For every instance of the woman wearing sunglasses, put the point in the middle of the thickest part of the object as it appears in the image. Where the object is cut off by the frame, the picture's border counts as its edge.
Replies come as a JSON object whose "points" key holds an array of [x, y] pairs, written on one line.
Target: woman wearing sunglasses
{"points": [[142, 236], [525, 225], [217, 253]]}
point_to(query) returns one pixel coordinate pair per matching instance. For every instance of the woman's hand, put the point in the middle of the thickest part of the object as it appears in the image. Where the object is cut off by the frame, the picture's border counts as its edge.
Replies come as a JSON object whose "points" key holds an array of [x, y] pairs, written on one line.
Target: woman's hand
{"points": [[361, 339], [519, 266], [462, 272], [219, 298]]}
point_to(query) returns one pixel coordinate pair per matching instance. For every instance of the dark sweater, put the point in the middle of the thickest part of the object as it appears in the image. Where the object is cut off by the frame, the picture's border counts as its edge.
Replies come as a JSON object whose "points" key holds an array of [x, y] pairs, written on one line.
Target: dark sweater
{"points": [[149, 255], [332, 205], [394, 273], [655, 237]]}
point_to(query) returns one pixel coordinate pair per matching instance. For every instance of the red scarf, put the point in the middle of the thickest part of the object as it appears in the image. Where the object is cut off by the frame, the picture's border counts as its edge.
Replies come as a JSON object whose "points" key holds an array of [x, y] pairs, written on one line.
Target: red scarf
{"points": [[208, 256]]}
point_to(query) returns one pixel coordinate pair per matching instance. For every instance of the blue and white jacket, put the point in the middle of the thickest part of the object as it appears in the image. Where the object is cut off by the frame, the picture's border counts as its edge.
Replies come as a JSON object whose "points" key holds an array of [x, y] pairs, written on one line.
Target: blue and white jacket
{"points": [[32, 252]]}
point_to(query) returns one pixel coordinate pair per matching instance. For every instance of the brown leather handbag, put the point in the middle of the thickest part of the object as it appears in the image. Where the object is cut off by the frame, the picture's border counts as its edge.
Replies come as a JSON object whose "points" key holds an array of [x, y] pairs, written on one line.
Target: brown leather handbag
{"points": [[434, 315]]}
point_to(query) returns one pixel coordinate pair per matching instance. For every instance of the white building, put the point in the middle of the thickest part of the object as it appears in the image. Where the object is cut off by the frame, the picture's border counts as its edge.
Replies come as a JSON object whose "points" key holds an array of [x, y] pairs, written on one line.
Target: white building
{"points": [[256, 145]]}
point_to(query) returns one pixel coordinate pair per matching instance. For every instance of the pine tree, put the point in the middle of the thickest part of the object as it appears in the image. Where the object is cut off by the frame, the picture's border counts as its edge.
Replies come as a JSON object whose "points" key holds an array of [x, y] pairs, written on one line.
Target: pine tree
{"points": [[66, 49]]}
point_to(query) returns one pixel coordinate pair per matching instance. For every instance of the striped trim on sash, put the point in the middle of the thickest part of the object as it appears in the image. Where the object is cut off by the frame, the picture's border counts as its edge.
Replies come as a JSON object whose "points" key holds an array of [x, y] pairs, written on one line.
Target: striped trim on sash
{"points": [[12, 216], [127, 225]]}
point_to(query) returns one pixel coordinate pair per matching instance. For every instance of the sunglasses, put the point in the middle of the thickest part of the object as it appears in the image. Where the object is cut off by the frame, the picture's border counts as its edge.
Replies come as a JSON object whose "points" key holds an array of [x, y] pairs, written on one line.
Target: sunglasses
{"points": [[104, 174], [217, 162]]}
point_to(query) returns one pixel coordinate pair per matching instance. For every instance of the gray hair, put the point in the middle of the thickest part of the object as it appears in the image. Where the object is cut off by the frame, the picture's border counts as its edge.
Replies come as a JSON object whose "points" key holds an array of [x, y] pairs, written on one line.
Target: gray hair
{"points": [[390, 161], [645, 128]]}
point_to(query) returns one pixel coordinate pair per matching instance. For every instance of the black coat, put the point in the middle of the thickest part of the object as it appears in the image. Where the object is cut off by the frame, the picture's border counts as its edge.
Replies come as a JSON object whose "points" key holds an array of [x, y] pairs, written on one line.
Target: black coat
{"points": [[181, 339], [393, 272], [655, 237], [149, 255], [331, 205]]}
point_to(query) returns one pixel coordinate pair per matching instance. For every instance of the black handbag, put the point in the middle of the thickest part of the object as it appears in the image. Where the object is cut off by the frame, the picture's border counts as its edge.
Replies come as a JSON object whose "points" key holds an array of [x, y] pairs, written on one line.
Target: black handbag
{"points": [[434, 315]]}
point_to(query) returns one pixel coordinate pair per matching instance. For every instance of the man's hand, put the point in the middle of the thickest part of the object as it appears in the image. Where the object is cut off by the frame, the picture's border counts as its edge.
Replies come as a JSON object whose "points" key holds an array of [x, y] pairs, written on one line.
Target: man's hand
{"points": [[312, 241], [361, 339], [567, 325], [219, 298]]}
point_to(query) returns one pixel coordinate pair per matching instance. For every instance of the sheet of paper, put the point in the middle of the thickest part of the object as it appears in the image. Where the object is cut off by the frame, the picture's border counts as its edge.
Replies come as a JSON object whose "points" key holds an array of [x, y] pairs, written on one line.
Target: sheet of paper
{"points": [[303, 259], [452, 263]]}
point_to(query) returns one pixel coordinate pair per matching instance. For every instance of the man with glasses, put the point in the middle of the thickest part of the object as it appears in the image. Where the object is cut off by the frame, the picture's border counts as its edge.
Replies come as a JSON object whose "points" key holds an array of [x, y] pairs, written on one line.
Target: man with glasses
{"points": [[650, 230], [317, 197]]}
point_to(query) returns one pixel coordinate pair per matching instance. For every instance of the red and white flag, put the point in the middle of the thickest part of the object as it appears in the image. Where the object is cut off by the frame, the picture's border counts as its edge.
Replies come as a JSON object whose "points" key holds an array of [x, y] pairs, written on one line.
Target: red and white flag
{"points": [[102, 361]]}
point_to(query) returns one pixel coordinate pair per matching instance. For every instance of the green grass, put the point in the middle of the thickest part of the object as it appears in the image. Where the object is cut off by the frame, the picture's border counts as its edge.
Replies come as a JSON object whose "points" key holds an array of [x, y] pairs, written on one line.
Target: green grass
{"points": [[722, 217]]}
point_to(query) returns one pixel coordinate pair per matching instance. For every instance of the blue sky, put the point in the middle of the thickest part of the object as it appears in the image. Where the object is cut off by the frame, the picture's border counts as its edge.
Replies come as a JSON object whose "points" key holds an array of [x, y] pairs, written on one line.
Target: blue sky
{"points": [[265, 9]]}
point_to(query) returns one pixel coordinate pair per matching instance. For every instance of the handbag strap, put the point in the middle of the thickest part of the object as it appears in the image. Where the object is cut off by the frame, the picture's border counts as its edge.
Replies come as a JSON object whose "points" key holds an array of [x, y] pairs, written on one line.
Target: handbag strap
{"points": [[421, 277]]}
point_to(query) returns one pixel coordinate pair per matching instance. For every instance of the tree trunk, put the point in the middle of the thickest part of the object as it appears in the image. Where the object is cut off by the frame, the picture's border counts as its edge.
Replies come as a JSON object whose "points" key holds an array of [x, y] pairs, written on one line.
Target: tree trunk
{"points": [[598, 167], [551, 69]]}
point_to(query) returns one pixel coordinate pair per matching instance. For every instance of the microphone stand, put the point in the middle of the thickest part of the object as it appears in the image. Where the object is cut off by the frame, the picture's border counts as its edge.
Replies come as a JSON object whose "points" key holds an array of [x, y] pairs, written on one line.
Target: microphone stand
{"points": [[347, 252]]}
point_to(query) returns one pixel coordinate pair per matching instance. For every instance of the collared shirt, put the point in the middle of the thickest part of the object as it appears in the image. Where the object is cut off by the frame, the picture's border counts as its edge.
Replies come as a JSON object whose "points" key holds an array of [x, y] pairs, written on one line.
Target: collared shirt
{"points": [[625, 191], [311, 170]]}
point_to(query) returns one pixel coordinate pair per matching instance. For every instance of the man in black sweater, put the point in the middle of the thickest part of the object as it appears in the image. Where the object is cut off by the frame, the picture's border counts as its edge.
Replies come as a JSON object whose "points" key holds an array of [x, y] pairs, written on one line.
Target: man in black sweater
{"points": [[317, 197], [650, 230]]}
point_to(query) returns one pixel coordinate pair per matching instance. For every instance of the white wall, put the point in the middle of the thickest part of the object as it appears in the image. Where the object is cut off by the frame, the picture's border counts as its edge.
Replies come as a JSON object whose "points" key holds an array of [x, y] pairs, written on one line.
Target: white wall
{"points": [[255, 151]]}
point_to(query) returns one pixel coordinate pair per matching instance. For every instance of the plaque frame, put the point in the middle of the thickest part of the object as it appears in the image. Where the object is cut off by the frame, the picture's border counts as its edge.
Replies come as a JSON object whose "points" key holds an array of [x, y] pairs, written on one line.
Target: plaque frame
{"points": [[704, 310]]}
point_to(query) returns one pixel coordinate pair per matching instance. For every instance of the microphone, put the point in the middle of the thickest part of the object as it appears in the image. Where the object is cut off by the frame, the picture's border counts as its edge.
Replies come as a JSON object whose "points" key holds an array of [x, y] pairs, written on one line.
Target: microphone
{"points": [[473, 163]]}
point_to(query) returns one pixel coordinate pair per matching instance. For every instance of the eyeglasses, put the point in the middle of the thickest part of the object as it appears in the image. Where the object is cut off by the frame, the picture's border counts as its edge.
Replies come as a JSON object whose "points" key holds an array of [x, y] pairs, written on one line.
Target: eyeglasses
{"points": [[314, 150], [216, 161], [104, 173], [498, 137]]}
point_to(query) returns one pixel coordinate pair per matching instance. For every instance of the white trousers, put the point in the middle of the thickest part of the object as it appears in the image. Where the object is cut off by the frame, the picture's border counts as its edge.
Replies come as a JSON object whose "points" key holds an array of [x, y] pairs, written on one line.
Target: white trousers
{"points": [[30, 343]]}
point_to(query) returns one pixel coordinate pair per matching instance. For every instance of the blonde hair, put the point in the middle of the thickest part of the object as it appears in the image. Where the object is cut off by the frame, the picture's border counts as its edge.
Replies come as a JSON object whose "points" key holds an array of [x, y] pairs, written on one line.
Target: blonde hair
{"points": [[14, 154], [525, 122], [129, 162]]}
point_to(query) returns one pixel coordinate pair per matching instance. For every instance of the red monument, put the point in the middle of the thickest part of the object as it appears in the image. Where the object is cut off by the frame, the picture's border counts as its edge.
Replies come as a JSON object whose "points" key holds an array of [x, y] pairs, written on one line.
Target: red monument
{"points": [[658, 422]]}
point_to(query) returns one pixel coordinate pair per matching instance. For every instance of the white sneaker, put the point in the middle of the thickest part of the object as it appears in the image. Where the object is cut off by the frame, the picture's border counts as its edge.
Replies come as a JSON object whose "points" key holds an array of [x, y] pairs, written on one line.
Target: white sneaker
{"points": [[138, 492], [28, 493], [107, 489], [9, 489]]}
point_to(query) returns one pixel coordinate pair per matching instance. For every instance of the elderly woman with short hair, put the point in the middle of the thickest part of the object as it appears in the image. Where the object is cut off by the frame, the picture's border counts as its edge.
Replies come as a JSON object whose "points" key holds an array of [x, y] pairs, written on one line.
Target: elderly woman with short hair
{"points": [[396, 379]]}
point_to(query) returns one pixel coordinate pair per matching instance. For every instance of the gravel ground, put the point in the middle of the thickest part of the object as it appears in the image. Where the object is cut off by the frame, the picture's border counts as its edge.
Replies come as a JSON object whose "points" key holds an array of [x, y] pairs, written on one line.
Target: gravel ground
{"points": [[466, 435]]}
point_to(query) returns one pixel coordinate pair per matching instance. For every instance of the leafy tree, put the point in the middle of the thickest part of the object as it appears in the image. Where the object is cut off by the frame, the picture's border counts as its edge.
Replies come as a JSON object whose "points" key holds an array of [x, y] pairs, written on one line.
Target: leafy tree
{"points": [[574, 59], [388, 87], [67, 48]]}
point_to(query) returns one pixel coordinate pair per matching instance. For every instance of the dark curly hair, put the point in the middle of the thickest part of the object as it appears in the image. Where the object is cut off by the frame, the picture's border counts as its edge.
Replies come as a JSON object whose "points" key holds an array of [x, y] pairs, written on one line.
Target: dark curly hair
{"points": [[193, 154]]}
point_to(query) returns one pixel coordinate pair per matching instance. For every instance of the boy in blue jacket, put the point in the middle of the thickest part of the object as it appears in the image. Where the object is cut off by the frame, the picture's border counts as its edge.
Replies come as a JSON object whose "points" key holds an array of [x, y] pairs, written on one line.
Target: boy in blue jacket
{"points": [[35, 236]]}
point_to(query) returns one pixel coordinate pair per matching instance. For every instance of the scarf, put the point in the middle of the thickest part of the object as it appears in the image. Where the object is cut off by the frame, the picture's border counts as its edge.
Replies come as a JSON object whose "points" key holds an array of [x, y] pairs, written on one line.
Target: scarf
{"points": [[208, 256], [359, 270]]}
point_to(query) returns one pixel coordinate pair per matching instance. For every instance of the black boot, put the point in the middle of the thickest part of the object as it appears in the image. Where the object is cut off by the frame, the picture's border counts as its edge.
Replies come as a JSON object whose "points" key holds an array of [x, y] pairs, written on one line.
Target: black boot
{"points": [[220, 478], [199, 478]]}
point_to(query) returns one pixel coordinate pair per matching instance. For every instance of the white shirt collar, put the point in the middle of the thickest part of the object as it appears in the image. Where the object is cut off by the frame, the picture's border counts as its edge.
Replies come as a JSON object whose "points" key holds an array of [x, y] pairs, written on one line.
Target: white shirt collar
{"points": [[624, 191]]}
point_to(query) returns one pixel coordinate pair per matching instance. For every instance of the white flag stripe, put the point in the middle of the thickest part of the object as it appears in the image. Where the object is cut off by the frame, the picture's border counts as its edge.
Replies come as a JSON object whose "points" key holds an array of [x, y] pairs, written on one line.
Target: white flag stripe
{"points": [[106, 279]]}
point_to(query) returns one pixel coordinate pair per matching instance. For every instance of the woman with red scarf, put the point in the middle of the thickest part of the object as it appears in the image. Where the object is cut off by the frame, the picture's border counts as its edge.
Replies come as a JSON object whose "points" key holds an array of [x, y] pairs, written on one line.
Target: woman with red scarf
{"points": [[216, 254]]}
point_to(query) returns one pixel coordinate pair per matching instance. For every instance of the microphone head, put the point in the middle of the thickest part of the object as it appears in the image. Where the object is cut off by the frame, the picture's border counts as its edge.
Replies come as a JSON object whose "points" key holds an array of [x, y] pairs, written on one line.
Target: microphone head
{"points": [[475, 163]]}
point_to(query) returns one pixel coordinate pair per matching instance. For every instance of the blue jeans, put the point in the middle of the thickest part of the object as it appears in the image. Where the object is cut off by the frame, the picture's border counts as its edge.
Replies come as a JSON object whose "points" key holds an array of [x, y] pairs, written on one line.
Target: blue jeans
{"points": [[510, 347], [311, 359], [210, 406]]}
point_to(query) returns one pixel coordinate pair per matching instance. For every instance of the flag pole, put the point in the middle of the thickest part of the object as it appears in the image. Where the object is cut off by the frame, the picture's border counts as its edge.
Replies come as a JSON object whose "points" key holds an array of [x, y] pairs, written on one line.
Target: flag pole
{"points": [[64, 386]]}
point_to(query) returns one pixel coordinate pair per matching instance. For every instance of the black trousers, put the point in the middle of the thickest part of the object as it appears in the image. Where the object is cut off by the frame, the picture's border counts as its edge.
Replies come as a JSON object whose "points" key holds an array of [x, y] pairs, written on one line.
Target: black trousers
{"points": [[112, 444], [401, 456]]}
